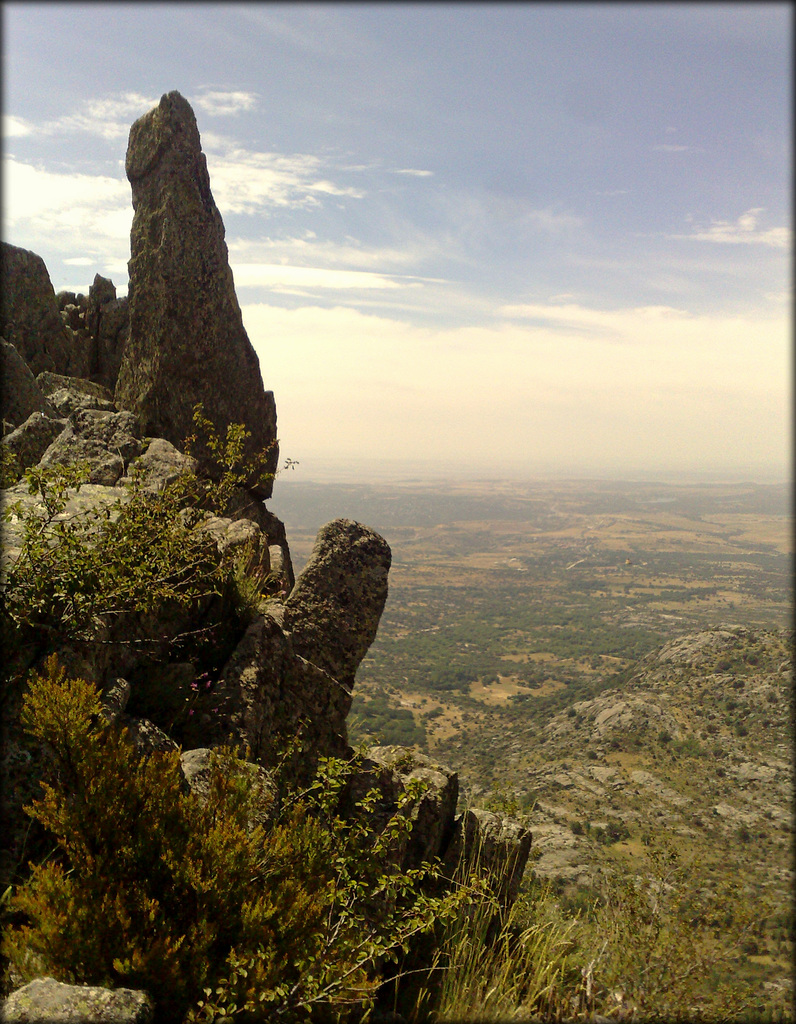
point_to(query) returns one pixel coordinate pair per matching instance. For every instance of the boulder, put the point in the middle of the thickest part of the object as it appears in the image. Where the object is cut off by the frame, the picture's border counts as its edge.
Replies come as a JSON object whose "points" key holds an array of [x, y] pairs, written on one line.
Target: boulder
{"points": [[29, 316], [432, 814], [21, 396], [267, 696], [158, 466], [187, 342], [31, 440], [70, 393], [196, 768], [333, 611], [107, 441], [497, 845], [47, 1001]]}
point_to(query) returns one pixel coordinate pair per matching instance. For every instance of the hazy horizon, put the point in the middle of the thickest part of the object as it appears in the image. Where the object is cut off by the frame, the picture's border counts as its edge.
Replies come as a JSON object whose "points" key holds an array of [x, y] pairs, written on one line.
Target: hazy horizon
{"points": [[504, 239]]}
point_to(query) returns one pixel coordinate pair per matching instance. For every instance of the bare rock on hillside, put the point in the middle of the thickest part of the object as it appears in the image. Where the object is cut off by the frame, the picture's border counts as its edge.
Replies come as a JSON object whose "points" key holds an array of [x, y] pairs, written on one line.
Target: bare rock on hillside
{"points": [[395, 769], [196, 769], [29, 317], [333, 611], [187, 342], [47, 1001], [160, 465], [699, 648], [21, 395]]}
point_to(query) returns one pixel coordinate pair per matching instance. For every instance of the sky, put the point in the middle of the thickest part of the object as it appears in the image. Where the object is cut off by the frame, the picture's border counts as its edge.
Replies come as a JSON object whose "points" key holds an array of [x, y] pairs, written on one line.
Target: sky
{"points": [[473, 241]]}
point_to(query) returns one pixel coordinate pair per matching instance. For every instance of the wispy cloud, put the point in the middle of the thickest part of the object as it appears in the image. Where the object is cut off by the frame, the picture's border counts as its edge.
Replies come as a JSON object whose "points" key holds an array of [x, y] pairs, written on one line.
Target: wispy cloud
{"points": [[743, 231], [412, 172], [670, 147], [223, 102], [279, 277]]}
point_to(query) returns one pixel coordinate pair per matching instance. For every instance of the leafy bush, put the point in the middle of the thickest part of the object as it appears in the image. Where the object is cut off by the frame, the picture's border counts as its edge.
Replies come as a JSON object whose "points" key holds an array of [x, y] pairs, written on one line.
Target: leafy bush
{"points": [[152, 888]]}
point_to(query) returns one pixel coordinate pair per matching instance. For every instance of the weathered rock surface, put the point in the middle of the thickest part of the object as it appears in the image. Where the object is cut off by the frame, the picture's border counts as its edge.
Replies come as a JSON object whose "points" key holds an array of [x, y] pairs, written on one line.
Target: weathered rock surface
{"points": [[29, 317], [158, 466], [333, 611], [196, 769], [47, 1001], [432, 815], [187, 341], [31, 440], [500, 846], [107, 441], [21, 396], [267, 695], [70, 393], [108, 323]]}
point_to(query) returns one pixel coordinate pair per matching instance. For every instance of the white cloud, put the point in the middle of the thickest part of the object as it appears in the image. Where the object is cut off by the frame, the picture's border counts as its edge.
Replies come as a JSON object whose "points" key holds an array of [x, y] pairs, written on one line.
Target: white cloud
{"points": [[108, 117], [743, 231], [52, 210], [669, 147], [221, 103], [246, 181], [412, 172], [307, 250], [15, 127], [79, 261], [282, 278]]}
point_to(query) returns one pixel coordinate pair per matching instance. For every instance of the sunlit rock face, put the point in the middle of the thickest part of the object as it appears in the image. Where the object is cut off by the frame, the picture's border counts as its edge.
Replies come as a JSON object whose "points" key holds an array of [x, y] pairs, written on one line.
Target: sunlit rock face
{"points": [[187, 341]]}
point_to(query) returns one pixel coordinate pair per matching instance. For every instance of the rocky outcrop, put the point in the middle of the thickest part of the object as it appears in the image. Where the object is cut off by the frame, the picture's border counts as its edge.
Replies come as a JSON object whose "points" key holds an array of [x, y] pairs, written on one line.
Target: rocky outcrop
{"points": [[47, 1001], [69, 393], [31, 440], [187, 341], [333, 611], [21, 396], [108, 325], [496, 845], [107, 441], [29, 317]]}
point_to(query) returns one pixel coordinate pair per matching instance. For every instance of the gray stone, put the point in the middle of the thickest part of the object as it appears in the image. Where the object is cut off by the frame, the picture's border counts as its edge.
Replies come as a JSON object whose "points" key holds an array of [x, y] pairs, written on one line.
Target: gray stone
{"points": [[267, 696], [333, 611], [160, 464], [29, 316], [432, 814], [196, 768], [70, 393], [492, 843], [187, 342], [107, 441], [47, 1001], [145, 736], [21, 396], [31, 440], [108, 322], [51, 382]]}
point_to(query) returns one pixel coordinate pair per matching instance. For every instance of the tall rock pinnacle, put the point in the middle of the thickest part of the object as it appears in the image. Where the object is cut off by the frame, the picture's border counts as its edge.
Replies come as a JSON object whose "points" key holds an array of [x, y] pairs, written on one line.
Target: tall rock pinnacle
{"points": [[187, 340]]}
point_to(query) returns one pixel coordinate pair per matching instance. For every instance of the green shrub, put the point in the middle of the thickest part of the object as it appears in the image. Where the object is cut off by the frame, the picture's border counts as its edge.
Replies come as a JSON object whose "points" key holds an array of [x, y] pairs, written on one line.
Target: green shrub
{"points": [[152, 888]]}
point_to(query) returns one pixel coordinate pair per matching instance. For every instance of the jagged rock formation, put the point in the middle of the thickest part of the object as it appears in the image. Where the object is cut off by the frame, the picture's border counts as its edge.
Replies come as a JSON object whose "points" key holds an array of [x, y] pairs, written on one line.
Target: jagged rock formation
{"points": [[289, 674], [187, 341]]}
